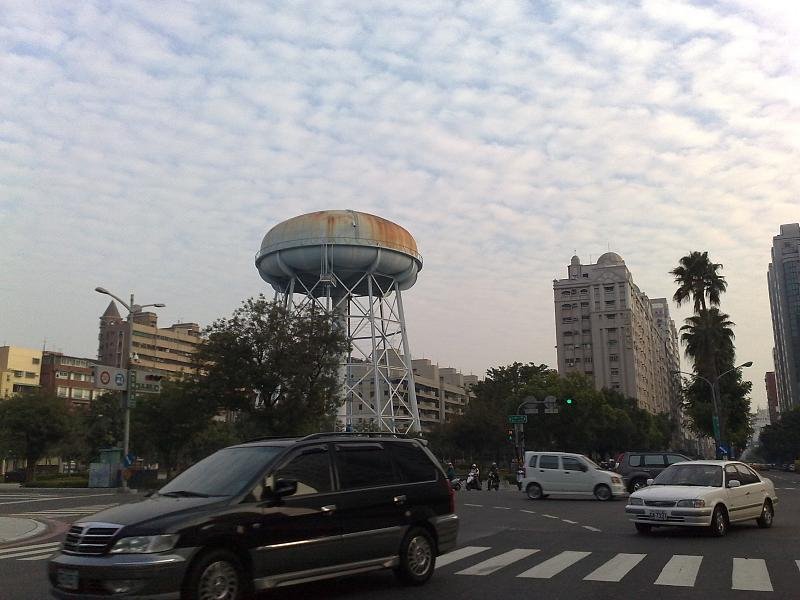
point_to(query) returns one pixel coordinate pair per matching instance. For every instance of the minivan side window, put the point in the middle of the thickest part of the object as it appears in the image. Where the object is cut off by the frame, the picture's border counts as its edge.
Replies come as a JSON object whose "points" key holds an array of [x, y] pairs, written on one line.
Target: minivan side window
{"points": [[571, 464], [311, 469], [547, 461], [414, 464], [635, 460], [674, 458], [364, 465], [532, 462], [653, 460]]}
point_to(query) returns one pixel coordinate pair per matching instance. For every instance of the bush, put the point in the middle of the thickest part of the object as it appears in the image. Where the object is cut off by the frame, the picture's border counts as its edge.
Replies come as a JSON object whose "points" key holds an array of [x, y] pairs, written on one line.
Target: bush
{"points": [[65, 481]]}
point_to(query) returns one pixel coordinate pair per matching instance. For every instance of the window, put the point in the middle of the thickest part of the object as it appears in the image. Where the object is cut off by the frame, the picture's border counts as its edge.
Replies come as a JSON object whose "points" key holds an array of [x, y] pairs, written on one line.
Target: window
{"points": [[29, 375], [746, 476], [608, 288], [548, 461], [62, 392], [311, 469], [532, 461], [571, 464], [654, 460], [612, 342], [614, 371], [613, 358], [414, 464], [674, 458], [586, 275], [364, 465], [635, 460], [731, 473], [62, 375], [35, 361]]}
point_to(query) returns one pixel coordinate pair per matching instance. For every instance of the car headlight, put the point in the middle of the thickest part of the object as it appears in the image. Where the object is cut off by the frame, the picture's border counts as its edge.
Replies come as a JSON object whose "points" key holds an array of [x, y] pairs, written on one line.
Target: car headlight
{"points": [[691, 503], [616, 480], [144, 544], [636, 501]]}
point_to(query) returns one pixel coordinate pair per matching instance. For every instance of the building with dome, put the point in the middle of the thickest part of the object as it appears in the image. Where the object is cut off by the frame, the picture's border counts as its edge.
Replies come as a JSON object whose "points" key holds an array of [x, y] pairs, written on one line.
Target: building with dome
{"points": [[611, 331]]}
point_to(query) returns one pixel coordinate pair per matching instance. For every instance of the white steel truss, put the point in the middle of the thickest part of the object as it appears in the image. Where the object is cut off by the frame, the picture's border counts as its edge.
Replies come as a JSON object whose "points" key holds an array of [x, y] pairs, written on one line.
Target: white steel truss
{"points": [[377, 373]]}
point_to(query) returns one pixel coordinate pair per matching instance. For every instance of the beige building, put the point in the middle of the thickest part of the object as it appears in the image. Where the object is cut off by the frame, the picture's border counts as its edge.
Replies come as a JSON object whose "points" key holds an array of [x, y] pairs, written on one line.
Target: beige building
{"points": [[609, 330], [166, 350], [19, 370], [442, 392]]}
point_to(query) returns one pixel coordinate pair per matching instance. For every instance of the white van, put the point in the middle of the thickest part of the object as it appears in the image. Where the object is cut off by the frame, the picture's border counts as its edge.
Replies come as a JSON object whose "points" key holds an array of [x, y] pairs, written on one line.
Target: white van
{"points": [[568, 474]]}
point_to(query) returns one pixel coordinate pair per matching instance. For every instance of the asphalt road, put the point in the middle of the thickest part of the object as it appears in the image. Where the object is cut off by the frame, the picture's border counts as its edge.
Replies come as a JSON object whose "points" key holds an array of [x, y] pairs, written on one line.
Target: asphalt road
{"points": [[509, 545]]}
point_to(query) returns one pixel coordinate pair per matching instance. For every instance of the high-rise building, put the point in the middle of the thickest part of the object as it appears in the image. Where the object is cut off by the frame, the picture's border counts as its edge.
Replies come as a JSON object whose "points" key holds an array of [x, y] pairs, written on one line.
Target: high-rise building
{"points": [[19, 370], [442, 392], [783, 277], [165, 350], [609, 330], [70, 378], [772, 396], [759, 420]]}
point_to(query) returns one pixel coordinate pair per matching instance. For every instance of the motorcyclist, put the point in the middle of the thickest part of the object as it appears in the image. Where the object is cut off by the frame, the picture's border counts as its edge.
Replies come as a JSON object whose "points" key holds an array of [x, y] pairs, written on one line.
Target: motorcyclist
{"points": [[475, 471], [451, 471], [494, 475]]}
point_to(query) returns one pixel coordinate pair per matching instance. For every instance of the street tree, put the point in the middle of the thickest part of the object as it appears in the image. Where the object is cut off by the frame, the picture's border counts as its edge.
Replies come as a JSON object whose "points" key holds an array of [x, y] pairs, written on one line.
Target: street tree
{"points": [[277, 369], [103, 424], [780, 442], [32, 424], [697, 278]]}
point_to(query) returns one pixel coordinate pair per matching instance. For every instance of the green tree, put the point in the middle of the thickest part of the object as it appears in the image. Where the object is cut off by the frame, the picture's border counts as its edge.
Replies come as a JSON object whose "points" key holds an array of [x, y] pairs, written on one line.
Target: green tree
{"points": [[165, 425], [103, 425], [697, 278], [780, 441], [277, 369], [32, 424], [708, 337]]}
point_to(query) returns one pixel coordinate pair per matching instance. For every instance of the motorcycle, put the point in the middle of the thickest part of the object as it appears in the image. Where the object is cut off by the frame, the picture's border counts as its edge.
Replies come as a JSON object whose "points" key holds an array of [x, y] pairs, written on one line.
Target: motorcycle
{"points": [[473, 483], [455, 483], [493, 482]]}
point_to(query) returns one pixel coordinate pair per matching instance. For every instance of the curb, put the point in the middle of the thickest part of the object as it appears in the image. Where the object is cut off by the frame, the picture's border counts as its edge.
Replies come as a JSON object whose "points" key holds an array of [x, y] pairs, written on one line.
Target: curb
{"points": [[38, 529]]}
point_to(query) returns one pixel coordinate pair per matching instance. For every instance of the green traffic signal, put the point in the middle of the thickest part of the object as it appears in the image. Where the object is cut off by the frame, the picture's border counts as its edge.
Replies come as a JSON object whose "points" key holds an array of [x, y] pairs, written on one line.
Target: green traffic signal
{"points": [[569, 400]]}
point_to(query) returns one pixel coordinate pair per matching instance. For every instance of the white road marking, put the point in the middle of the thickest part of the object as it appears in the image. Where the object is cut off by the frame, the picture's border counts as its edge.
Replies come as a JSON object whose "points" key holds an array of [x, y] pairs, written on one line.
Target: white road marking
{"points": [[27, 553], [44, 557], [31, 547], [616, 568], [681, 570], [455, 555], [590, 528], [555, 565], [570, 522], [54, 498], [501, 507], [475, 505], [65, 512], [549, 516], [530, 512], [750, 574], [498, 562]]}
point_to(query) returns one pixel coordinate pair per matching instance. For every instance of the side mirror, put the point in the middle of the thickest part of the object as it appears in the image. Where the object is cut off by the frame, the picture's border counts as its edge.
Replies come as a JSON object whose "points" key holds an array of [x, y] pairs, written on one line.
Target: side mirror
{"points": [[650, 481], [734, 483], [285, 487]]}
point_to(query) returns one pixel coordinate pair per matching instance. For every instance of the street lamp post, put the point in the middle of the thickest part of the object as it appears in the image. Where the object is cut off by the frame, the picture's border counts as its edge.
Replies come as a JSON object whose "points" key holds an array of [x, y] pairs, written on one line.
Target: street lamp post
{"points": [[133, 309], [715, 400]]}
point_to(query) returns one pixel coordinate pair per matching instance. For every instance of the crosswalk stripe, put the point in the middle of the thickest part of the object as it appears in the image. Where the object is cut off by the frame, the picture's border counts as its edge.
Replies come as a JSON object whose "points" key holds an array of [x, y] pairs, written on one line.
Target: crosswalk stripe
{"points": [[681, 570], [750, 574], [616, 568], [43, 557], [455, 555], [26, 553], [554, 566], [31, 547], [498, 562]]}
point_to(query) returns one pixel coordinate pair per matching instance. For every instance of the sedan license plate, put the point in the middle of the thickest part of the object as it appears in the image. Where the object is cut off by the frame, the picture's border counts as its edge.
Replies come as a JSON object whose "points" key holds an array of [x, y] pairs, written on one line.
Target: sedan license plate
{"points": [[658, 515], [67, 579]]}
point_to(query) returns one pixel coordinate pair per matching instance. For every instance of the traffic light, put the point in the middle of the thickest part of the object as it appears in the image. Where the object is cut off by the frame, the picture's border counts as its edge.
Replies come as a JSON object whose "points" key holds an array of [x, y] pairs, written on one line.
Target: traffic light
{"points": [[152, 377], [510, 435], [568, 401]]}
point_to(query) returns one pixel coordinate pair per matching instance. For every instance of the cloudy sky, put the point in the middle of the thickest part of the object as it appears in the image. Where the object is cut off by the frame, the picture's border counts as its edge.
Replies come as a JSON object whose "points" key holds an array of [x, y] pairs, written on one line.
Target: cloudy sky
{"points": [[149, 146]]}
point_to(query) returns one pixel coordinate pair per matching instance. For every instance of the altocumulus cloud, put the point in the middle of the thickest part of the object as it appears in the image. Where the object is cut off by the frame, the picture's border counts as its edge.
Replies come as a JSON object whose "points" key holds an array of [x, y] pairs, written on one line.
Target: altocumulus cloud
{"points": [[151, 145]]}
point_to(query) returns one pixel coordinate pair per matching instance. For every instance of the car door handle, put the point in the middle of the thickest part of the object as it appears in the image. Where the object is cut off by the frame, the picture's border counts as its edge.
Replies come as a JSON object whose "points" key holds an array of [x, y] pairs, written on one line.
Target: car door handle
{"points": [[399, 499], [328, 509], [567, 472], [541, 470]]}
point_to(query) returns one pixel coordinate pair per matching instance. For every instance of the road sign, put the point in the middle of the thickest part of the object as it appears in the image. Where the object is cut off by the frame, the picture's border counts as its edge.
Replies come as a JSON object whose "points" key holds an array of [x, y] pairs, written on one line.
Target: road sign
{"points": [[110, 378], [531, 410], [550, 400], [517, 418], [129, 459], [147, 382]]}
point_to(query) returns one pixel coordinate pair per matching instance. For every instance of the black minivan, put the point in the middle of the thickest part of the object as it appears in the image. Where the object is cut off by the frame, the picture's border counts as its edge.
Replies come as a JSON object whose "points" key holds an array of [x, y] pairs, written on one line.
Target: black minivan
{"points": [[265, 514]]}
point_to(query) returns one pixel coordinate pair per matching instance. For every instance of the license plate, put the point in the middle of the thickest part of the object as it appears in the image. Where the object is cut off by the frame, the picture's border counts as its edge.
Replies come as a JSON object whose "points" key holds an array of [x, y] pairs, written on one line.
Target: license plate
{"points": [[658, 515], [67, 579]]}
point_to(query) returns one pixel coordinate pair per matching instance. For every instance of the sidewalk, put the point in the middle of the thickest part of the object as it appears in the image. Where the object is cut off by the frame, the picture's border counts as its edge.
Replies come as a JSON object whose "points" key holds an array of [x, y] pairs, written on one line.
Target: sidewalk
{"points": [[13, 529]]}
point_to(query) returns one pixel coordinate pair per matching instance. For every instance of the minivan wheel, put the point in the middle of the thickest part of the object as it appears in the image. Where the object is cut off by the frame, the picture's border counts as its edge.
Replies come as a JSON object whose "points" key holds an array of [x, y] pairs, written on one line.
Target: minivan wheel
{"points": [[719, 522], [602, 492], [637, 484], [767, 514], [417, 557], [216, 575], [534, 491]]}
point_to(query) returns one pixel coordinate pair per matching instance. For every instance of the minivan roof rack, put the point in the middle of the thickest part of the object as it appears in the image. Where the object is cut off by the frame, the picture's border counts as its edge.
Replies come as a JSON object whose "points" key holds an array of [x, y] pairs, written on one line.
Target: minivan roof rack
{"points": [[325, 434]]}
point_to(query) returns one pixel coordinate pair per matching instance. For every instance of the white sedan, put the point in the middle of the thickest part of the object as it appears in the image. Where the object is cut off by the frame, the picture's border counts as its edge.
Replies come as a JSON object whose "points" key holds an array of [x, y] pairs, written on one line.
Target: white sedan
{"points": [[703, 493]]}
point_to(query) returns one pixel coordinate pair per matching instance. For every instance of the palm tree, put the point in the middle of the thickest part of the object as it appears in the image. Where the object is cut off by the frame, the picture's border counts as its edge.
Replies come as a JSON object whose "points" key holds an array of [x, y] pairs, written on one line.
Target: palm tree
{"points": [[697, 277], [708, 337]]}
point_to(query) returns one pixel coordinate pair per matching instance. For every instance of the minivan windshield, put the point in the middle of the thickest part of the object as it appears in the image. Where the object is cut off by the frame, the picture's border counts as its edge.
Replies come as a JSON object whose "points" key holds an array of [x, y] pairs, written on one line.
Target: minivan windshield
{"points": [[224, 473], [695, 475]]}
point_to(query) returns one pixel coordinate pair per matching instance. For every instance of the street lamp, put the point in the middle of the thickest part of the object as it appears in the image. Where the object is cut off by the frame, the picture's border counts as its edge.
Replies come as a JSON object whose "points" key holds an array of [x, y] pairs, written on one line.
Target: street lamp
{"points": [[133, 309], [714, 385]]}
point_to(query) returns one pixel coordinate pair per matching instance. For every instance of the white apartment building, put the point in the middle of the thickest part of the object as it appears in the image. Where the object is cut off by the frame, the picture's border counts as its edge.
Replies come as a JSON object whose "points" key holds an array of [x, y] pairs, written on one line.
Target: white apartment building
{"points": [[609, 330]]}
